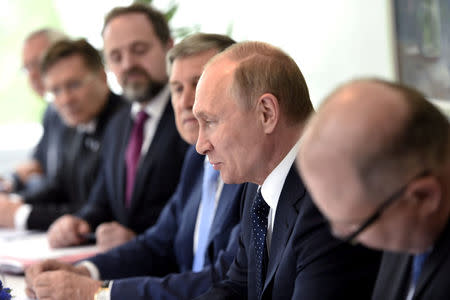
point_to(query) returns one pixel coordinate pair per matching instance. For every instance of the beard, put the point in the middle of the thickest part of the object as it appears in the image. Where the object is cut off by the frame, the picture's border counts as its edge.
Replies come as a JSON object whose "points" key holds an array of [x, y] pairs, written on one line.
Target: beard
{"points": [[140, 91]]}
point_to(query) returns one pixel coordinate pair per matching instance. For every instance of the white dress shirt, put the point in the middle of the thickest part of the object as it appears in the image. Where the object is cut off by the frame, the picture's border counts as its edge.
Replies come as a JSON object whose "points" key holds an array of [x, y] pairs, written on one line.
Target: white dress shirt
{"points": [[272, 186], [155, 109]]}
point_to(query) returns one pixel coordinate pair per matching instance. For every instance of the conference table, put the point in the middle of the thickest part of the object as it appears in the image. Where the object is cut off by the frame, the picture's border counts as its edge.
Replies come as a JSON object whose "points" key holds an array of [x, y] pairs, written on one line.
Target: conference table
{"points": [[17, 284], [19, 249]]}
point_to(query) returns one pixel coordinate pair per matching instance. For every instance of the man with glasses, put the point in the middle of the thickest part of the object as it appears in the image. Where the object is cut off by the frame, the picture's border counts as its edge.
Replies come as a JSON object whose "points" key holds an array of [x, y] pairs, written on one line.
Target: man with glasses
{"points": [[74, 78], [30, 174], [376, 160]]}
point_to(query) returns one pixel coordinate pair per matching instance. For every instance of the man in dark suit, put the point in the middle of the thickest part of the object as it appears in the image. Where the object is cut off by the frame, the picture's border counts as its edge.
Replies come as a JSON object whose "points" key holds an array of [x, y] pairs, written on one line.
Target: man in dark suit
{"points": [[142, 165], [190, 255], [251, 104], [376, 159], [31, 173], [74, 76]]}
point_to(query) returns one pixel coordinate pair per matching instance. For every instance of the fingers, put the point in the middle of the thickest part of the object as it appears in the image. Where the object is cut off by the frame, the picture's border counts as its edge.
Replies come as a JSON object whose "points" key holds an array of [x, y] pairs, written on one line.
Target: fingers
{"points": [[64, 285], [83, 227], [66, 231], [35, 270], [110, 235], [30, 293]]}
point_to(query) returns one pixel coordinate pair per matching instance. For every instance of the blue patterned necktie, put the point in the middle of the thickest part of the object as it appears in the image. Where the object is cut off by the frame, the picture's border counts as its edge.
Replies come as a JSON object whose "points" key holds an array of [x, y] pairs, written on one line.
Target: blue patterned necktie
{"points": [[259, 217], [417, 265], [209, 188]]}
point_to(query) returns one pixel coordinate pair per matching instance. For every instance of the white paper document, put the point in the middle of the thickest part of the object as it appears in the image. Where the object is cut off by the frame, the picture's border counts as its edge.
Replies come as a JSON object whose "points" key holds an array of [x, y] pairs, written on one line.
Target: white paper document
{"points": [[20, 251]]}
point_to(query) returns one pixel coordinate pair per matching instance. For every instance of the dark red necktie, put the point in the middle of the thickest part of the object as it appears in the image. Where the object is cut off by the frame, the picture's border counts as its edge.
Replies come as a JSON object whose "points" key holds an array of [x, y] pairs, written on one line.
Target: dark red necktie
{"points": [[133, 153]]}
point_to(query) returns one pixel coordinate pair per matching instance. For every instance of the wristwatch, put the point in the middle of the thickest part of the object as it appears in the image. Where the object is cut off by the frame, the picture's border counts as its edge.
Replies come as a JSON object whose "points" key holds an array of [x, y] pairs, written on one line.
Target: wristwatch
{"points": [[103, 291]]}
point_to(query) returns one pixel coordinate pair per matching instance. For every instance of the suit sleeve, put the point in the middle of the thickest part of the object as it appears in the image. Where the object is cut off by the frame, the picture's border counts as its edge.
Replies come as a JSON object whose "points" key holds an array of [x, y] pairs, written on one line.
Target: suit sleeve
{"points": [[44, 214], [49, 202], [40, 151], [175, 286], [97, 210], [327, 267], [150, 253], [235, 284]]}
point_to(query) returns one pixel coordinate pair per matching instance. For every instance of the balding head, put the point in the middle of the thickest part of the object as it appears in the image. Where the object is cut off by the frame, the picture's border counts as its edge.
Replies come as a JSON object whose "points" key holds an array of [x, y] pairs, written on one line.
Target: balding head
{"points": [[369, 138]]}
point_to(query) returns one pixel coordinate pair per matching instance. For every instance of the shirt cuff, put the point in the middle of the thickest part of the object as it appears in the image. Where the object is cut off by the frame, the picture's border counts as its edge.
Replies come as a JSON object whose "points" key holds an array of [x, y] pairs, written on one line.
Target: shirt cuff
{"points": [[95, 274], [93, 270], [108, 293], [21, 216]]}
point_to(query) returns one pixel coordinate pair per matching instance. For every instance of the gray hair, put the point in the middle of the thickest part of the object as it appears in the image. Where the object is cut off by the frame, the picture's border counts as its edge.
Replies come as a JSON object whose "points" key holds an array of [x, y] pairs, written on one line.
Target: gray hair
{"points": [[195, 44], [51, 34]]}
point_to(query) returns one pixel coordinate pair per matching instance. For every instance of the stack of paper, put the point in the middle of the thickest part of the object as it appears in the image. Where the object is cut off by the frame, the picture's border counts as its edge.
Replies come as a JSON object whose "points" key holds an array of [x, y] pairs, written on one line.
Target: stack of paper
{"points": [[23, 249]]}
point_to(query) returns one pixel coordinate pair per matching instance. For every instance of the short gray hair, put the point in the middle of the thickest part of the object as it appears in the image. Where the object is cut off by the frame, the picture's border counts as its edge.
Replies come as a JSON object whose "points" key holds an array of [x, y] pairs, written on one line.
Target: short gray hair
{"points": [[195, 44], [51, 34]]}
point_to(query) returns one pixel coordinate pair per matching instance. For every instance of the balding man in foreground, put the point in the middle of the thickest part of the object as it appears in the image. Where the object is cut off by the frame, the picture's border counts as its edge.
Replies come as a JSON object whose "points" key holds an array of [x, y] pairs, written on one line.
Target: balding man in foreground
{"points": [[376, 160], [251, 104]]}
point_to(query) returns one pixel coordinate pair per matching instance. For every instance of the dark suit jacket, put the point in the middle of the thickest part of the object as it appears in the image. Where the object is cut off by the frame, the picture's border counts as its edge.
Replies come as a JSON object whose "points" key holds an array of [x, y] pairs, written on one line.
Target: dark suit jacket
{"points": [[48, 146], [78, 157], [433, 283], [305, 262], [156, 179], [46, 153], [167, 247]]}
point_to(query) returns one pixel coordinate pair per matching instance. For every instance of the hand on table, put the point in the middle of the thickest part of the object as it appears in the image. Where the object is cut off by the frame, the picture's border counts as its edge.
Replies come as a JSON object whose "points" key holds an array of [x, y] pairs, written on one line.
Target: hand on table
{"points": [[8, 209], [112, 234], [63, 284], [66, 231], [34, 271]]}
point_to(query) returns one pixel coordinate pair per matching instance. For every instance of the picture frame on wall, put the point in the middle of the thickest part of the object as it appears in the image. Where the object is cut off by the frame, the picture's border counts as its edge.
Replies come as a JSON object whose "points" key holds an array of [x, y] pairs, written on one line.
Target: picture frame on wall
{"points": [[422, 38]]}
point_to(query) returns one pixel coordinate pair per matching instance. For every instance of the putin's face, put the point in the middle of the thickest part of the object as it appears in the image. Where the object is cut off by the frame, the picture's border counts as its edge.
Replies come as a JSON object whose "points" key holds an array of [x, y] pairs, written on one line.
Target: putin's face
{"points": [[231, 135]]}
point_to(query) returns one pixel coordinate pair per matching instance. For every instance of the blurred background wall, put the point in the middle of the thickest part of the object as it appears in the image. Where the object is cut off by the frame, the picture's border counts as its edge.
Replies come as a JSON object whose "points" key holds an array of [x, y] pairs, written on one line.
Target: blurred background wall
{"points": [[331, 40]]}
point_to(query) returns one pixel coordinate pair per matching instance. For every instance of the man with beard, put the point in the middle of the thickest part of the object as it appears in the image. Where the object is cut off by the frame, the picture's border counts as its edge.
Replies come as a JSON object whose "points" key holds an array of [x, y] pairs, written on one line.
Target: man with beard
{"points": [[142, 164], [196, 236]]}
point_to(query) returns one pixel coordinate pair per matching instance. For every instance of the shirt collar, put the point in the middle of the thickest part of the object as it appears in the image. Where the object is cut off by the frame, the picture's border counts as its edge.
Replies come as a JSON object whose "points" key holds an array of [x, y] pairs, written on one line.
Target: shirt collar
{"points": [[155, 107], [88, 127], [272, 186]]}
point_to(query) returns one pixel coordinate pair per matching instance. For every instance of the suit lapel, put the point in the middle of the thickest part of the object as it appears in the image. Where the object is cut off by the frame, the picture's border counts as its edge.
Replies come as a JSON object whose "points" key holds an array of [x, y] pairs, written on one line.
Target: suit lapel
{"points": [[285, 218], [434, 261], [400, 277], [155, 148], [224, 208], [122, 169]]}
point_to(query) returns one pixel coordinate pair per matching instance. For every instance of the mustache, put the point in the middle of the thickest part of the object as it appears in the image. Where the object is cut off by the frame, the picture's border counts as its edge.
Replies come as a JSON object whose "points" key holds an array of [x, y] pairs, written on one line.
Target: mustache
{"points": [[135, 71]]}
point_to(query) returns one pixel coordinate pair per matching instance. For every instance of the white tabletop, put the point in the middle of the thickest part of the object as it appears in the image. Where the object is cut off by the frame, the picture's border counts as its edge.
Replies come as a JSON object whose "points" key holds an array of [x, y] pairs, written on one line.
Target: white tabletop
{"points": [[16, 284], [31, 246]]}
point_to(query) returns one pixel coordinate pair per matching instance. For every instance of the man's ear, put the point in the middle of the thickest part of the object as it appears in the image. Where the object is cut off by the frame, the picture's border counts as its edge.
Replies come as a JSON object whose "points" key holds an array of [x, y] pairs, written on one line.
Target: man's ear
{"points": [[426, 194], [103, 76], [169, 44], [268, 109]]}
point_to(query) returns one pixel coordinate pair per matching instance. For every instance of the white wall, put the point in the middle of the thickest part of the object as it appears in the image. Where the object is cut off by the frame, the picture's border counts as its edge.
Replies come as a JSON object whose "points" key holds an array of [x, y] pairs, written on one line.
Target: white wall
{"points": [[331, 40]]}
